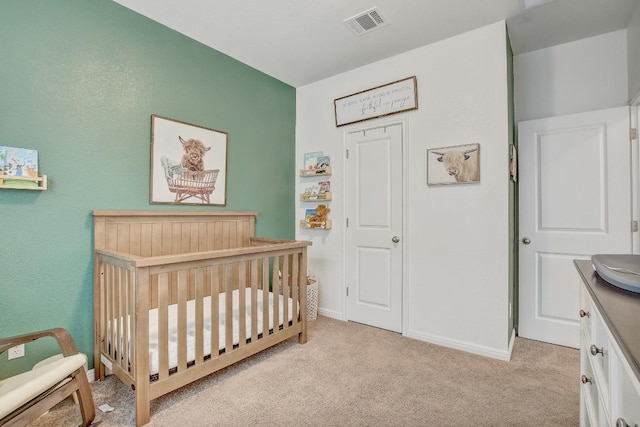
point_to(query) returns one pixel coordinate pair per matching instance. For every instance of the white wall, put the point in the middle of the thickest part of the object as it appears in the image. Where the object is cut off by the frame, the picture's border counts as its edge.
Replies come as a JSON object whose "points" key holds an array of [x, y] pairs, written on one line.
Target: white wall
{"points": [[585, 75], [633, 52], [456, 237]]}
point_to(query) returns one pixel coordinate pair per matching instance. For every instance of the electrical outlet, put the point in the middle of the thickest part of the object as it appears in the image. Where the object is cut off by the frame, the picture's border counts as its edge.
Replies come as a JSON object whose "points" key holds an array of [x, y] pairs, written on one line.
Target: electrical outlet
{"points": [[15, 352]]}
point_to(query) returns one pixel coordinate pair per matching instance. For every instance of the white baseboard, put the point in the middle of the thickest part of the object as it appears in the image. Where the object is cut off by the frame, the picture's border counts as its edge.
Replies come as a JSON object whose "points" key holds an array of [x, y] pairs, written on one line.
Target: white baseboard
{"points": [[481, 350], [91, 375], [445, 342], [330, 313]]}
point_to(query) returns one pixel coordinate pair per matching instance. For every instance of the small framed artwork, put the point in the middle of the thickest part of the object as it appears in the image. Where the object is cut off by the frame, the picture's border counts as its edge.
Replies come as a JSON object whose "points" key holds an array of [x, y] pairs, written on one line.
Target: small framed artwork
{"points": [[188, 163], [458, 164], [513, 162]]}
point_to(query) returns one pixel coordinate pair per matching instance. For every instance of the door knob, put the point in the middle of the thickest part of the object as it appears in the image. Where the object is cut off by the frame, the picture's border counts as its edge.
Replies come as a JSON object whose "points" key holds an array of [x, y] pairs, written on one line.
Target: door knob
{"points": [[395, 239], [526, 240]]}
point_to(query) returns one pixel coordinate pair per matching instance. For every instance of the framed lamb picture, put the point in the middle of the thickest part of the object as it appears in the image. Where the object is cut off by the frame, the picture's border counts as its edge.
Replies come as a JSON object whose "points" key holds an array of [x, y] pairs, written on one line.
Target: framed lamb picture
{"points": [[188, 163], [458, 164]]}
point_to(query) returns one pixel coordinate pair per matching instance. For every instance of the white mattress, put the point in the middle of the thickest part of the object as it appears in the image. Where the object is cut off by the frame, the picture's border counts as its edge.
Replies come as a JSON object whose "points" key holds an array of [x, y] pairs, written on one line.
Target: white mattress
{"points": [[191, 333]]}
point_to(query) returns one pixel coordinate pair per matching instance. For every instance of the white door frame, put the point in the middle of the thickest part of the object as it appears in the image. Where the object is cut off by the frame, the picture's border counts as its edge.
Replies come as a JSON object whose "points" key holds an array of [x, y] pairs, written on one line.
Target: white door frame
{"points": [[405, 217], [634, 122]]}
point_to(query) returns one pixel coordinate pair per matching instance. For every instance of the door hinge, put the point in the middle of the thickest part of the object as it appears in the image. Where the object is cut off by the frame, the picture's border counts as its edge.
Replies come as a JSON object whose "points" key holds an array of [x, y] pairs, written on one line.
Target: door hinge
{"points": [[347, 291], [634, 226], [347, 154], [347, 222], [633, 133]]}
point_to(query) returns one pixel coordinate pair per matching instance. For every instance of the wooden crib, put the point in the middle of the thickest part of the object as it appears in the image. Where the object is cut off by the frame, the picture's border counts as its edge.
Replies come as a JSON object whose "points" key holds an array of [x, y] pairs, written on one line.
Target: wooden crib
{"points": [[162, 280]]}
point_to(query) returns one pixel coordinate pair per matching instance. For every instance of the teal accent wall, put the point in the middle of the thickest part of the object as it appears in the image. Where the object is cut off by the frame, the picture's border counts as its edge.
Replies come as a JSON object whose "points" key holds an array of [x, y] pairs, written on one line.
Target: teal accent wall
{"points": [[79, 82]]}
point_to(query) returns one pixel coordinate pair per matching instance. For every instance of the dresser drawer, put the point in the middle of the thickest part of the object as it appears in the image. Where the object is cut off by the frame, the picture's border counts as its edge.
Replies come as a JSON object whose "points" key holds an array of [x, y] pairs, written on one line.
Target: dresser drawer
{"points": [[625, 393], [585, 312], [599, 352], [588, 390]]}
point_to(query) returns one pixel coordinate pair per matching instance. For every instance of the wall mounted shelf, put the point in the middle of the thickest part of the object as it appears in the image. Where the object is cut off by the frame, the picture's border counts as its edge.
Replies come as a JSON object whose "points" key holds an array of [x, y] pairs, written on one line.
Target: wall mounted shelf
{"points": [[316, 172], [324, 197], [13, 182], [324, 225]]}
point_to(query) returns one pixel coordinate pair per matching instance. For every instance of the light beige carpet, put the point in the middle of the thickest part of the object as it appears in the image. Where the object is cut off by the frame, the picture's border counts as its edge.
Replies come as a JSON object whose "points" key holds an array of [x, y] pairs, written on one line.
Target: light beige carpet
{"points": [[354, 375]]}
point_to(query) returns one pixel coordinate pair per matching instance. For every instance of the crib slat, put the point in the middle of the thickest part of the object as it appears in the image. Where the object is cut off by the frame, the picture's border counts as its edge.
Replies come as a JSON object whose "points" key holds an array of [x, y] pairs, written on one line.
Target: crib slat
{"points": [[265, 297], [254, 300], [199, 354], [275, 280], [285, 292], [163, 327], [111, 311], [126, 297], [119, 319], [295, 285], [242, 304], [228, 308], [182, 319], [215, 311]]}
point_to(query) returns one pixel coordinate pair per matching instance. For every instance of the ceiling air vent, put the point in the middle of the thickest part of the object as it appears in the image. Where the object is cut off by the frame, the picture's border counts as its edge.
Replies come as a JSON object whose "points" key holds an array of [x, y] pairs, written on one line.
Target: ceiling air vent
{"points": [[366, 21]]}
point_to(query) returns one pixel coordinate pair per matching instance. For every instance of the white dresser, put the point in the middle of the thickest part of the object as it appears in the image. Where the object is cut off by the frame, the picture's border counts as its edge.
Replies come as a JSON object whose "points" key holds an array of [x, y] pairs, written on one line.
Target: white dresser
{"points": [[609, 352]]}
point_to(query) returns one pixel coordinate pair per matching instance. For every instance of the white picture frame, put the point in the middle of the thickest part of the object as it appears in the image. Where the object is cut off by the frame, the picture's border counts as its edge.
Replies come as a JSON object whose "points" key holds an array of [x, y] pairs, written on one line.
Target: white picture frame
{"points": [[459, 164]]}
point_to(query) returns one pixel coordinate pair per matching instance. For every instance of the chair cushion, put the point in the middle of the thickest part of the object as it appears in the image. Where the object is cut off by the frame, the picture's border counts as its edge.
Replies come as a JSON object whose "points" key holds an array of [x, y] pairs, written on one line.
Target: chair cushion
{"points": [[17, 390]]}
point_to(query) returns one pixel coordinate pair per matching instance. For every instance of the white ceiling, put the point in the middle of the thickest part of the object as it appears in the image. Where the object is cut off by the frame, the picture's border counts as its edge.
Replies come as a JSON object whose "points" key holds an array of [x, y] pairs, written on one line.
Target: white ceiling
{"points": [[303, 41]]}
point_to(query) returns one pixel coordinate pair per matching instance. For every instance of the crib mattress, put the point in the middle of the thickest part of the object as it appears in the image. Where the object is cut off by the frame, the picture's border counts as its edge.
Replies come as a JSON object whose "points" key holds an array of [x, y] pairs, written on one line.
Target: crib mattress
{"points": [[191, 326]]}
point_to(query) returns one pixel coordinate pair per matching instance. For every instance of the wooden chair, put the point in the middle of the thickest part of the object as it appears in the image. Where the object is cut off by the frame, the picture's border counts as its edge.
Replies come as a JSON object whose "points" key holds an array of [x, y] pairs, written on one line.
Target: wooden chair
{"points": [[26, 396]]}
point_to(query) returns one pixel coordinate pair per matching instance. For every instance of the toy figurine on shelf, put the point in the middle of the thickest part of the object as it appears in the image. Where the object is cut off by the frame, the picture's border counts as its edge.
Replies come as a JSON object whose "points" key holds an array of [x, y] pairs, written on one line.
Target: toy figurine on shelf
{"points": [[321, 214]]}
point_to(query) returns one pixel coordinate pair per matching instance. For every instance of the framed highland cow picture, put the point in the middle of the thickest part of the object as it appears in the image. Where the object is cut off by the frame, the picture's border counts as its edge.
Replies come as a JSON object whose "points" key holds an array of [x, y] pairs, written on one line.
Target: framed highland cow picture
{"points": [[188, 163], [458, 164]]}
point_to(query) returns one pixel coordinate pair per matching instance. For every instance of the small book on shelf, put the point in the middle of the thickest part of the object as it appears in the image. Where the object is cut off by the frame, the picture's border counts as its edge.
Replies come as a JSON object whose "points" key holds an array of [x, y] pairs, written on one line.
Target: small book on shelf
{"points": [[324, 187], [323, 162], [19, 162], [310, 215], [311, 160]]}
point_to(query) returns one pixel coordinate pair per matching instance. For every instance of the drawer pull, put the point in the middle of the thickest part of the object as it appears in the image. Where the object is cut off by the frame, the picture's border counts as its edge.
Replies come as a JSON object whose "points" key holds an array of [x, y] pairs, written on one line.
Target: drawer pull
{"points": [[595, 350], [585, 313], [585, 379]]}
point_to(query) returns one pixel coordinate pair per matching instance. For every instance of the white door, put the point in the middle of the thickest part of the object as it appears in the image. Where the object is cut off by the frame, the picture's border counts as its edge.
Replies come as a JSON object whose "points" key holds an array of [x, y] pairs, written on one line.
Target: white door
{"points": [[575, 201], [374, 231]]}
